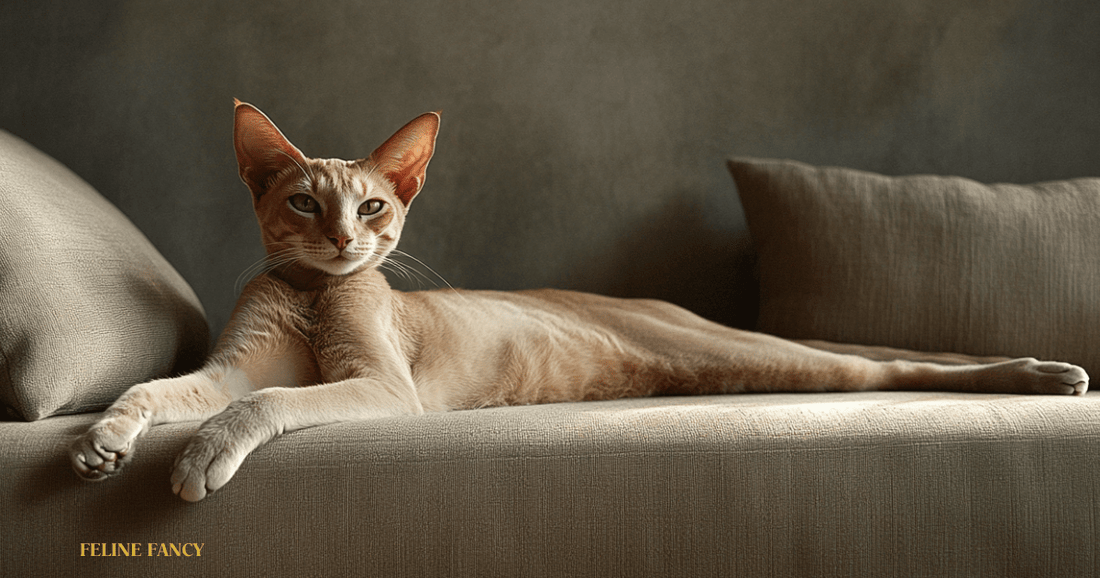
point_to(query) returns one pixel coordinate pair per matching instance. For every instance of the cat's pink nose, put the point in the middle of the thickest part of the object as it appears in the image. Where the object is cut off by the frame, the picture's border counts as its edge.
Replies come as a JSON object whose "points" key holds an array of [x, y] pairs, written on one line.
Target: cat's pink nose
{"points": [[340, 242]]}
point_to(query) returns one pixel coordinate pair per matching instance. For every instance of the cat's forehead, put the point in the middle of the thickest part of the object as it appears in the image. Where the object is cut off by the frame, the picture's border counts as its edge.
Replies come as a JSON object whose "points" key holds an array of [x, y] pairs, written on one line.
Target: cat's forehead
{"points": [[348, 177]]}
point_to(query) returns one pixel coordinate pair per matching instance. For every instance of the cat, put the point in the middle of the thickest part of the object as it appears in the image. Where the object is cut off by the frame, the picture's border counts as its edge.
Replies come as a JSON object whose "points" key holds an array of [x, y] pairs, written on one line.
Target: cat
{"points": [[320, 337]]}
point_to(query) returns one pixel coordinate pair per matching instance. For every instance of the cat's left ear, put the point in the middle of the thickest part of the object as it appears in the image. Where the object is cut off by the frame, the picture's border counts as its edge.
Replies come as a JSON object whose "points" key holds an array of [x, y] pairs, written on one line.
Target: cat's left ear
{"points": [[403, 158], [262, 150]]}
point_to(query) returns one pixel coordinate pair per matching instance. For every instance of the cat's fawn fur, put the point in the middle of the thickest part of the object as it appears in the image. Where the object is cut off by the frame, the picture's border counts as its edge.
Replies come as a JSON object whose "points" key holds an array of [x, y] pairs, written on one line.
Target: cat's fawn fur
{"points": [[321, 337]]}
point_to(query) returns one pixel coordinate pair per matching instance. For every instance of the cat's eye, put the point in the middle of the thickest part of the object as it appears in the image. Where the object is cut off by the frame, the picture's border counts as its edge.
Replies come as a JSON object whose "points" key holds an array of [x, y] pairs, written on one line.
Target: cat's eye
{"points": [[304, 203], [372, 207]]}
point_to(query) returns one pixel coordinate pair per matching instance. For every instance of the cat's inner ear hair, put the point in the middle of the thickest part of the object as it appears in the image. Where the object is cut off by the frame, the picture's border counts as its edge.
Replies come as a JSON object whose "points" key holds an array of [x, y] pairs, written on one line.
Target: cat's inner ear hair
{"points": [[403, 159], [262, 150]]}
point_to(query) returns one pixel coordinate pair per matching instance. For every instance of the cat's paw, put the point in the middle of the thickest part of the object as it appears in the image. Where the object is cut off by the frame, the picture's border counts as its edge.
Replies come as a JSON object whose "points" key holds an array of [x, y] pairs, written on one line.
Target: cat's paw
{"points": [[105, 448], [1047, 377], [217, 450], [206, 464]]}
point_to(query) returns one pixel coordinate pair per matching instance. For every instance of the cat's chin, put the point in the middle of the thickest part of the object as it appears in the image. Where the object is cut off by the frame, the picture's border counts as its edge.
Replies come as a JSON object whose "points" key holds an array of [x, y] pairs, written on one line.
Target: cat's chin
{"points": [[338, 266]]}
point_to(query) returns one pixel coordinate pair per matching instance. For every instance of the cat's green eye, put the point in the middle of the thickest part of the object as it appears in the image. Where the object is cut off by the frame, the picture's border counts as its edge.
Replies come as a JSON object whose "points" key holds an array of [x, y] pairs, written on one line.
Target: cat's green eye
{"points": [[304, 203], [372, 207]]}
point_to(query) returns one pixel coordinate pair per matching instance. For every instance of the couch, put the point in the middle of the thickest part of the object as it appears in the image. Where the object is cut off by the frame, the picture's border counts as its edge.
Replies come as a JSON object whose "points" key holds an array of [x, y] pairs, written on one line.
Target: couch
{"points": [[591, 147]]}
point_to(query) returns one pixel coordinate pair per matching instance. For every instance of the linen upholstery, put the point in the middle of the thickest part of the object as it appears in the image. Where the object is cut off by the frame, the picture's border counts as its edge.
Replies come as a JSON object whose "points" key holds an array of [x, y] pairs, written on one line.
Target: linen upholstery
{"points": [[89, 307], [865, 484], [582, 148], [932, 263]]}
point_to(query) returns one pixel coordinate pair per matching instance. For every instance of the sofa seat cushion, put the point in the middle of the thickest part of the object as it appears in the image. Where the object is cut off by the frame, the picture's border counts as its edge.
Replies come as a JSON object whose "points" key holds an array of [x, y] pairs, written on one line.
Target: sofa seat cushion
{"points": [[871, 484]]}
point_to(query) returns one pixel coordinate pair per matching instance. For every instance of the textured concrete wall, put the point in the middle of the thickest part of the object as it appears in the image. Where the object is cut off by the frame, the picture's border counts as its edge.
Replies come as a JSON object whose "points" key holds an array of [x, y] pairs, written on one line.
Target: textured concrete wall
{"points": [[582, 142]]}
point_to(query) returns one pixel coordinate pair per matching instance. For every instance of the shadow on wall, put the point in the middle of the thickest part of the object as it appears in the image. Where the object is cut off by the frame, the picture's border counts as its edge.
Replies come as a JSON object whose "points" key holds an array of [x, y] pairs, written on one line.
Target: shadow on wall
{"points": [[676, 256]]}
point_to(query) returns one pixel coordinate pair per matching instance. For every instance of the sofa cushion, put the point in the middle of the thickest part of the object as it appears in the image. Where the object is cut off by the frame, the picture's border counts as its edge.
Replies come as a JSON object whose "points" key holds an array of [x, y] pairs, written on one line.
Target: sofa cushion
{"points": [[819, 484], [89, 305], [931, 263]]}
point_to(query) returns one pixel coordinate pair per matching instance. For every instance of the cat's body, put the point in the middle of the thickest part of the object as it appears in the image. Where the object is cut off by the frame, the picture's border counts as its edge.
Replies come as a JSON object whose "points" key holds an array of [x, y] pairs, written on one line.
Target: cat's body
{"points": [[322, 338]]}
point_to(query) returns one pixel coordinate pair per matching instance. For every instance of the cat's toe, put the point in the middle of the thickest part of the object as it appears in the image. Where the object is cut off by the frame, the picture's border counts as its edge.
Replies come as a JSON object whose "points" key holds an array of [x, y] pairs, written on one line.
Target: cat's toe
{"points": [[102, 451], [189, 482], [205, 465], [88, 463], [189, 473], [1054, 377]]}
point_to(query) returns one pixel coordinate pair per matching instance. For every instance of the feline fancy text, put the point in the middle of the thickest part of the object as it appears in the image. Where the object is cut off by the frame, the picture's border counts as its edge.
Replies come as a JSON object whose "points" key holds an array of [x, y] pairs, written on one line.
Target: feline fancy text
{"points": [[138, 549]]}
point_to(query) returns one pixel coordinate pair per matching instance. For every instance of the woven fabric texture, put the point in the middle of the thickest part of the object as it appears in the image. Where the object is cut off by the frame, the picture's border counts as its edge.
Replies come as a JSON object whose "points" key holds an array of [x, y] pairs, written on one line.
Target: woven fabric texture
{"points": [[861, 484], [926, 262], [89, 307]]}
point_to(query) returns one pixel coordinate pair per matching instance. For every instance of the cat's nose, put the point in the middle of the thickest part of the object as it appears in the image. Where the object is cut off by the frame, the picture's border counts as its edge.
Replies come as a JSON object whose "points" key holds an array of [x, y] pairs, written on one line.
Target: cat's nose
{"points": [[340, 242]]}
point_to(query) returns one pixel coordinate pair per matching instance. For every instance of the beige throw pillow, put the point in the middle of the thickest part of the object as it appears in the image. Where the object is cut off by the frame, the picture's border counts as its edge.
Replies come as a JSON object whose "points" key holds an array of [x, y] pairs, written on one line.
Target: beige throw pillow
{"points": [[929, 263], [88, 307]]}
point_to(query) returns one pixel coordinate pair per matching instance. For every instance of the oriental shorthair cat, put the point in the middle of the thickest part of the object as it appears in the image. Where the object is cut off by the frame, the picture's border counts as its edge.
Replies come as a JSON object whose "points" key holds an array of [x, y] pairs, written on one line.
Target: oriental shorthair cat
{"points": [[320, 337]]}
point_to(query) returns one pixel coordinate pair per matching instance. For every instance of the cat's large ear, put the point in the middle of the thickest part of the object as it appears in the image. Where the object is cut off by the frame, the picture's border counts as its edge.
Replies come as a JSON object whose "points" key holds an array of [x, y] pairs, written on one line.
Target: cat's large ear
{"points": [[403, 158], [262, 150]]}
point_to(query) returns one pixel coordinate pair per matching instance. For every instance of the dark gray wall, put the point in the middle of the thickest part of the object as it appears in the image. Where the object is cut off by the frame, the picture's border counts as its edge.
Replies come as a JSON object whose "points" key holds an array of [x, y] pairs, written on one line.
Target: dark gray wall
{"points": [[582, 142]]}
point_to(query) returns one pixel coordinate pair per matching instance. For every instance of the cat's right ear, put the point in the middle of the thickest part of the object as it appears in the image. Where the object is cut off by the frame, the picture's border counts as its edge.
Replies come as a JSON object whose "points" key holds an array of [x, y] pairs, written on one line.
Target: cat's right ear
{"points": [[262, 150]]}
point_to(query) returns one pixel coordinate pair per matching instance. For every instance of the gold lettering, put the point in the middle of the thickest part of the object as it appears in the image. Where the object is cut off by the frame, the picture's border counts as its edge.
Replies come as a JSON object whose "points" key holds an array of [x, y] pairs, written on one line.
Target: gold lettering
{"points": [[195, 545], [94, 548], [83, 548], [134, 549]]}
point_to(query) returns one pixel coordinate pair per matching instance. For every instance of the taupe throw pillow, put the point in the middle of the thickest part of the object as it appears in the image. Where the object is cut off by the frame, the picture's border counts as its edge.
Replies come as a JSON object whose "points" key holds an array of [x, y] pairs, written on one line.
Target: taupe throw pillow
{"points": [[88, 307], [926, 262]]}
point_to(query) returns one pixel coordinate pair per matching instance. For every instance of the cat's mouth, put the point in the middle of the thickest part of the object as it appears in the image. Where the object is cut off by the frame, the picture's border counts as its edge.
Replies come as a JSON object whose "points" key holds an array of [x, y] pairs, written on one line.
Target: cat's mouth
{"points": [[341, 264], [335, 261]]}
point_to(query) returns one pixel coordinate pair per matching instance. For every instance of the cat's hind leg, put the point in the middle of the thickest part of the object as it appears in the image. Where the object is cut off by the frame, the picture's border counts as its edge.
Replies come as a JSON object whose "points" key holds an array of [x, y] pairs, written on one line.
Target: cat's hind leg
{"points": [[880, 353], [1027, 376], [971, 373], [724, 360], [841, 367]]}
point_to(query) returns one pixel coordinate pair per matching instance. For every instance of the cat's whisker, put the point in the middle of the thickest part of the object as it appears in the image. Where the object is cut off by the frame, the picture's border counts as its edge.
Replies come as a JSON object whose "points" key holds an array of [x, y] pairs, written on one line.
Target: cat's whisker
{"points": [[268, 263], [248, 274], [408, 272], [424, 265], [373, 168], [308, 174], [256, 266], [420, 278], [283, 260], [397, 270], [265, 260]]}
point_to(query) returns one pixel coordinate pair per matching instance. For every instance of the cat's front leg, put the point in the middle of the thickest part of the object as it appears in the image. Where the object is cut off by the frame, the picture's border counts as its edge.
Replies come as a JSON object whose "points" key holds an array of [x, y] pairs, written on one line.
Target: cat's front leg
{"points": [[217, 450], [108, 444]]}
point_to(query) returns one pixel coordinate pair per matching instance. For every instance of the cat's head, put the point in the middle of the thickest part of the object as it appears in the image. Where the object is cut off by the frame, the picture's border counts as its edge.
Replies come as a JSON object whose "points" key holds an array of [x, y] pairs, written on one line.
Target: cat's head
{"points": [[330, 215]]}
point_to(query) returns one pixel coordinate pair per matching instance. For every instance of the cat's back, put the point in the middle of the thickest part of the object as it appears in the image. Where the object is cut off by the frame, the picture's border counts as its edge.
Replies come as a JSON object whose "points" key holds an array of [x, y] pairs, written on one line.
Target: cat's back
{"points": [[541, 310]]}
